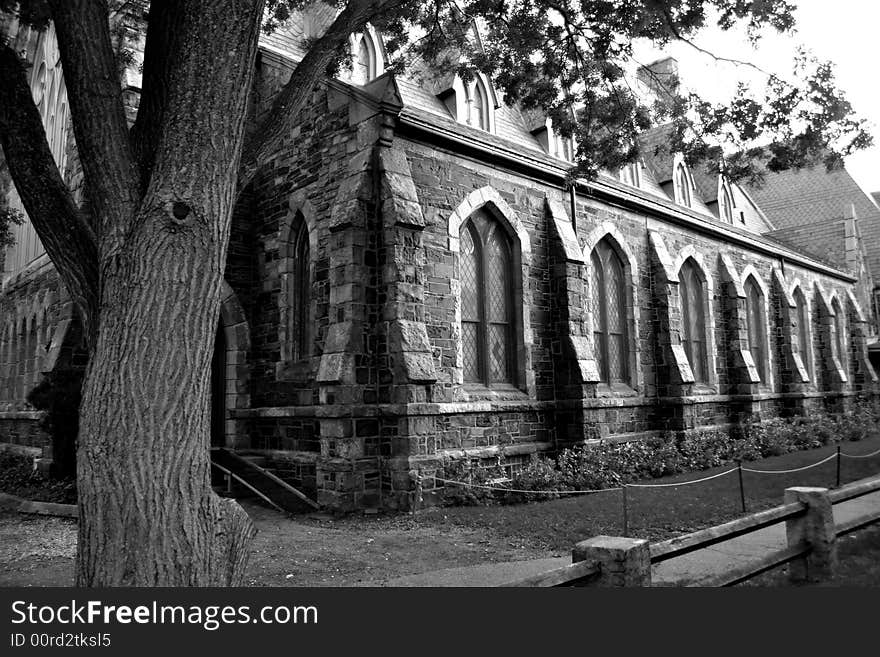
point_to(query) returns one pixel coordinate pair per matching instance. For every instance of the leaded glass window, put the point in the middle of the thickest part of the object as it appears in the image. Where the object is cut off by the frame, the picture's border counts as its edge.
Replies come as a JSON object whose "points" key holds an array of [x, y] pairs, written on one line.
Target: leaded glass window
{"points": [[803, 317], [839, 333], [693, 320], [755, 323], [300, 291], [608, 298], [486, 301]]}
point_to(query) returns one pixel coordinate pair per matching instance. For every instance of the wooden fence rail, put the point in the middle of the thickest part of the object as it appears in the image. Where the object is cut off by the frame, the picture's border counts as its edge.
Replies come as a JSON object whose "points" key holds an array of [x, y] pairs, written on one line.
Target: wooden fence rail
{"points": [[810, 530]]}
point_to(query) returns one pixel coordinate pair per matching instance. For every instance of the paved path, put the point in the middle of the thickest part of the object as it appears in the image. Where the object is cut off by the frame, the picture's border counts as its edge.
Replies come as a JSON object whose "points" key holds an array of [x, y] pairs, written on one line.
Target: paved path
{"points": [[702, 563]]}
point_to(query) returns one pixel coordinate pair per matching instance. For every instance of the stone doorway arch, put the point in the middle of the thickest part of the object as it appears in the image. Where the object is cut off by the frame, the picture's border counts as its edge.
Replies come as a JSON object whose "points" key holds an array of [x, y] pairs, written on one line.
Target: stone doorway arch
{"points": [[230, 373]]}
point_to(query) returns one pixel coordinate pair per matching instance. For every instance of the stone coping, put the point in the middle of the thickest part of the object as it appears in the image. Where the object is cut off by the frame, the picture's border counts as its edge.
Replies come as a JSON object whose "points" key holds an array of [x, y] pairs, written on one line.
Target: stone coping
{"points": [[511, 406]]}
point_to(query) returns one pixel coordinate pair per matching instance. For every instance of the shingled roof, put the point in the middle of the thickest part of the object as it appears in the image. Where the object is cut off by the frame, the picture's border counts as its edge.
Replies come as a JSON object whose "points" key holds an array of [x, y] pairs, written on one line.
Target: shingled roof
{"points": [[813, 196]]}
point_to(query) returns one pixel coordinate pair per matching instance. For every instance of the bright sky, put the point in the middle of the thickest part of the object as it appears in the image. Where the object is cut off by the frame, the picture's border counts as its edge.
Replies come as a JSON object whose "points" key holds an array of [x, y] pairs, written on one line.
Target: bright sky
{"points": [[846, 32]]}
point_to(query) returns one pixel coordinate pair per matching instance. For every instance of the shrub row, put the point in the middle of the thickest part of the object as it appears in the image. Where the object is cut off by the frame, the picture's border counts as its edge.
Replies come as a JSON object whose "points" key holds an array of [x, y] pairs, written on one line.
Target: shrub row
{"points": [[18, 477], [608, 465]]}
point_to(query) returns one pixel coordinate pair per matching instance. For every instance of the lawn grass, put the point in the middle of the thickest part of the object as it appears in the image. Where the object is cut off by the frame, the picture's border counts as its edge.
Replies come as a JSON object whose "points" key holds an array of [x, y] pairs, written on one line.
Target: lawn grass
{"points": [[659, 513]]}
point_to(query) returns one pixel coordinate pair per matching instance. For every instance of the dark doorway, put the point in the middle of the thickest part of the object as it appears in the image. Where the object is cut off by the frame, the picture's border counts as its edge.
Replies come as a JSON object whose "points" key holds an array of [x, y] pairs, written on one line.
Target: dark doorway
{"points": [[218, 389]]}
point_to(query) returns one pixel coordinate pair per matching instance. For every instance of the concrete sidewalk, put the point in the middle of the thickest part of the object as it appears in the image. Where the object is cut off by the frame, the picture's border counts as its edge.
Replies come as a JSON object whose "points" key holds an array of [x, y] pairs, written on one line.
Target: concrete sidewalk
{"points": [[709, 561]]}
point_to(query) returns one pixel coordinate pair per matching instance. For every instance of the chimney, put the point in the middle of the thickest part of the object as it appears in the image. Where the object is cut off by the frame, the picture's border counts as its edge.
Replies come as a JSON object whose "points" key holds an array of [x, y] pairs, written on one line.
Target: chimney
{"points": [[659, 77]]}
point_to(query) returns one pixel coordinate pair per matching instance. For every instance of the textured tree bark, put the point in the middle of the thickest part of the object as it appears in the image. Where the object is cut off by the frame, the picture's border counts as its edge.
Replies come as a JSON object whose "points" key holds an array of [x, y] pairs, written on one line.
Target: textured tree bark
{"points": [[148, 515], [147, 265]]}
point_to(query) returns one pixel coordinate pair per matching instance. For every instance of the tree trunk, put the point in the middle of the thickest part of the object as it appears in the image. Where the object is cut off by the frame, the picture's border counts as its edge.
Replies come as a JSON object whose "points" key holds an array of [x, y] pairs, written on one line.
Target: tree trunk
{"points": [[148, 515]]}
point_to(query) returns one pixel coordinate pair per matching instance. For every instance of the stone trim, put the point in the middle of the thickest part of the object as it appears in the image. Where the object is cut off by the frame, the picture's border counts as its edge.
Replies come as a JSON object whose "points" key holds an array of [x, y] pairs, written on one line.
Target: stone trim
{"points": [[238, 344], [691, 252], [608, 230], [490, 198], [742, 363], [344, 343], [667, 300], [805, 352], [864, 376], [406, 335], [842, 355], [573, 327], [561, 222], [286, 369], [836, 378], [515, 406], [765, 298]]}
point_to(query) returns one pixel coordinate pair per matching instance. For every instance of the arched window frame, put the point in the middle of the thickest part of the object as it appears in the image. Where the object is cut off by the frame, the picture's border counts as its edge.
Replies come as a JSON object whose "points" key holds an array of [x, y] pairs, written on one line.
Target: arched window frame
{"points": [[841, 343], [489, 198], [682, 182], [707, 287], [764, 364], [608, 233], [297, 299], [368, 42], [755, 323], [726, 203], [694, 333], [481, 116], [489, 240], [805, 329]]}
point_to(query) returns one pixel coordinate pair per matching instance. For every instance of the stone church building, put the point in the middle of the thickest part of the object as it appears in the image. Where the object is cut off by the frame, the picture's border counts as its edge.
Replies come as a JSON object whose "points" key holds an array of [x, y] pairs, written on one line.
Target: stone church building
{"points": [[411, 280]]}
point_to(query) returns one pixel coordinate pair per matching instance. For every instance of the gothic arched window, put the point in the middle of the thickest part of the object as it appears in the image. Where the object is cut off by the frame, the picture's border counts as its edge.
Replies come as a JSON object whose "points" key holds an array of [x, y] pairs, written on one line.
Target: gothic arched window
{"points": [[486, 301], [365, 65], [804, 342], [755, 323], [608, 293], [682, 185], [839, 334], [300, 291], [726, 204], [693, 320], [480, 109]]}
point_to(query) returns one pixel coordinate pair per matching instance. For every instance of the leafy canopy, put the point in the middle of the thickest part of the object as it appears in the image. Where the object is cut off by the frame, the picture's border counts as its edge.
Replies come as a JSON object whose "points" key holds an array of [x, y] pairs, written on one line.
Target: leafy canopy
{"points": [[573, 60]]}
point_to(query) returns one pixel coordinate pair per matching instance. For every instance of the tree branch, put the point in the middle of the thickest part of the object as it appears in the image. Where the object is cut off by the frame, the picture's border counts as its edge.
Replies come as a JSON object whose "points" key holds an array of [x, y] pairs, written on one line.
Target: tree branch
{"points": [[64, 231], [162, 42], [297, 92], [99, 122]]}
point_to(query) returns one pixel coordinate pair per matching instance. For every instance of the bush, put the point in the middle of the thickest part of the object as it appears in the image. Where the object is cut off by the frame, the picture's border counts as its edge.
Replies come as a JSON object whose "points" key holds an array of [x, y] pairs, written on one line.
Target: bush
{"points": [[609, 465], [18, 477]]}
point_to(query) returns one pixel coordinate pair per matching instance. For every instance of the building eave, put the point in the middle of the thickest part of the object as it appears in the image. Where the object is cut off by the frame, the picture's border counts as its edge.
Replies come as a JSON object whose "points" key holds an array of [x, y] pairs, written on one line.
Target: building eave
{"points": [[442, 132]]}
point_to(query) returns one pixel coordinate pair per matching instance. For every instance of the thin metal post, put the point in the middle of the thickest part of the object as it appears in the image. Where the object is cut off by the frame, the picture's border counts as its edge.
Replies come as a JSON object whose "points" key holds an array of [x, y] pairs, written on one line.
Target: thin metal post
{"points": [[742, 491], [838, 467], [625, 514]]}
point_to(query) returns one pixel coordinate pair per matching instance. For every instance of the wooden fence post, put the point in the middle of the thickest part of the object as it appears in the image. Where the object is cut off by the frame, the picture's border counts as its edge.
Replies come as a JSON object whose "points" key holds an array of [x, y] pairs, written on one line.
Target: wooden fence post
{"points": [[622, 561], [816, 528]]}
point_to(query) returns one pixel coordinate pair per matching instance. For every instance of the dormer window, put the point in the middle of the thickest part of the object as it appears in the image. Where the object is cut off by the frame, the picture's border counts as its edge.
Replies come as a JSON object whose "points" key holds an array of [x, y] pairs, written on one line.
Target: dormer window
{"points": [[367, 61], [479, 106], [630, 174], [682, 184], [725, 203], [563, 148], [472, 103]]}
